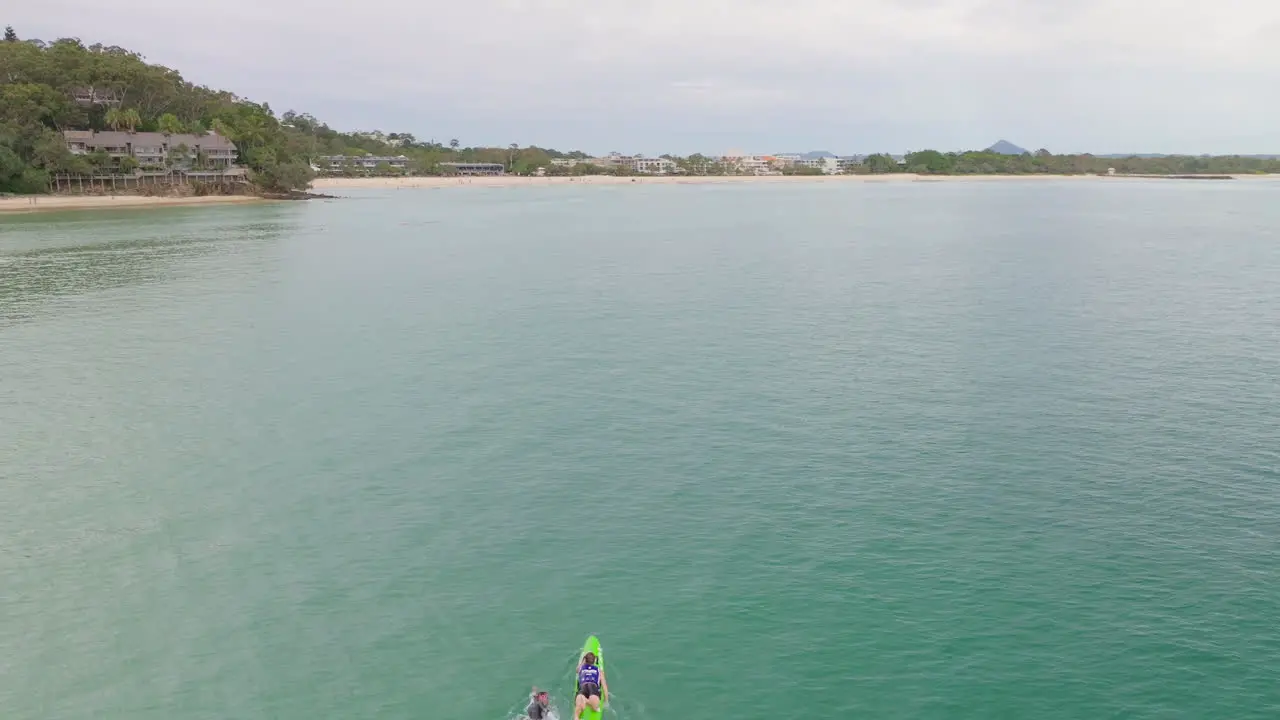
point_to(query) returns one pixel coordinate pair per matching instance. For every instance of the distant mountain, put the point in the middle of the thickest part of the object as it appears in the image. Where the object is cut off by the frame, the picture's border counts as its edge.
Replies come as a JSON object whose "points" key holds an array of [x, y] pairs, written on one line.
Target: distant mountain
{"points": [[818, 154], [1004, 147]]}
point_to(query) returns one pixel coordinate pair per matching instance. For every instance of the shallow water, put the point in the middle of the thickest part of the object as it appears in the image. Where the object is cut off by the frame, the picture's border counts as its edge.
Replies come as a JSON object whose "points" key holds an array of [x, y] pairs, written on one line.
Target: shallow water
{"points": [[952, 450]]}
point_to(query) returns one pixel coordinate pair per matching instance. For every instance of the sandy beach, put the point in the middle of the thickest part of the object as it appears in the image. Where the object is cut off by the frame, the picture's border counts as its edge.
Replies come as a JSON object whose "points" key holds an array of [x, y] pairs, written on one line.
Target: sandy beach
{"points": [[51, 203], [518, 181], [339, 183]]}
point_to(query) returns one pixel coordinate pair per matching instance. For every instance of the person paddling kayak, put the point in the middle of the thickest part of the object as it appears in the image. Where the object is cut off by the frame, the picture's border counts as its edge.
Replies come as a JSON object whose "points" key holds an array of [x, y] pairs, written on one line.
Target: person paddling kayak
{"points": [[539, 706], [590, 682]]}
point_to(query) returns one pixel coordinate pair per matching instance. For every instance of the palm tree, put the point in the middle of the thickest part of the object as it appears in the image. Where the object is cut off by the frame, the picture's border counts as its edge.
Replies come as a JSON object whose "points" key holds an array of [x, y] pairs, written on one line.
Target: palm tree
{"points": [[178, 155], [114, 118], [453, 144], [511, 157], [131, 119], [169, 124], [220, 126]]}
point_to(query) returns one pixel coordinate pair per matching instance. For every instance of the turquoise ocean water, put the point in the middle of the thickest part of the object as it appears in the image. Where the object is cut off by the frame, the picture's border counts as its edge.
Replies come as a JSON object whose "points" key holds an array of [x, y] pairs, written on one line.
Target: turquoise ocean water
{"points": [[917, 450]]}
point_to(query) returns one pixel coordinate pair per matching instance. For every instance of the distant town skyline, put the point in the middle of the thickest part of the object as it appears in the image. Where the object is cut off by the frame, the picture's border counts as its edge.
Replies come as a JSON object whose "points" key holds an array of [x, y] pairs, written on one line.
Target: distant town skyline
{"points": [[710, 76]]}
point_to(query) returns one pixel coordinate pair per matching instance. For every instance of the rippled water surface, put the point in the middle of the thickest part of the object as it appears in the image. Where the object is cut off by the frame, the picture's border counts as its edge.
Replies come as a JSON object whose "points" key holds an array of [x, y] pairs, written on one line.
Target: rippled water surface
{"points": [[930, 450]]}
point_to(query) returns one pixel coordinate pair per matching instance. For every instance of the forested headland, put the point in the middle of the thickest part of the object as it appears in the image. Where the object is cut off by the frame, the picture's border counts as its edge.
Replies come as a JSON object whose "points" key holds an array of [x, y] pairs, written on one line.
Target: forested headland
{"points": [[50, 87]]}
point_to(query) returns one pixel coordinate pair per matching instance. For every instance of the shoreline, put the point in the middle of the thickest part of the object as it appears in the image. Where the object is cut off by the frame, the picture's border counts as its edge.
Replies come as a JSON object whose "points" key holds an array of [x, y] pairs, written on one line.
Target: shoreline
{"points": [[23, 204], [502, 181]]}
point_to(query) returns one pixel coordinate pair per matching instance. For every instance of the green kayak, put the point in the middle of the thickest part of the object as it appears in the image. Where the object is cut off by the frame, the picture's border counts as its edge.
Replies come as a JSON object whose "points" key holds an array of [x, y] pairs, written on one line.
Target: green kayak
{"points": [[592, 646]]}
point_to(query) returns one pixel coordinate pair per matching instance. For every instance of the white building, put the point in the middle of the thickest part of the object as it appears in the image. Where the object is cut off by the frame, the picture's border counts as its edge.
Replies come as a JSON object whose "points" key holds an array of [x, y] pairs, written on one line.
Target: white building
{"points": [[653, 166], [828, 165], [634, 163]]}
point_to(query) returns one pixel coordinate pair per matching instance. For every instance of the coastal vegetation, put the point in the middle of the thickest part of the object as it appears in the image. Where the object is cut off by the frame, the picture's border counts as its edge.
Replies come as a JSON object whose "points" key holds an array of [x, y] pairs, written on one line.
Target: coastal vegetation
{"points": [[50, 87], [1043, 162]]}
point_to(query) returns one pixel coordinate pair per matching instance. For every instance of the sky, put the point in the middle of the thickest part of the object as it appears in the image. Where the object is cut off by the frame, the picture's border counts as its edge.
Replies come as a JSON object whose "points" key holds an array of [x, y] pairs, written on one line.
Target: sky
{"points": [[713, 76]]}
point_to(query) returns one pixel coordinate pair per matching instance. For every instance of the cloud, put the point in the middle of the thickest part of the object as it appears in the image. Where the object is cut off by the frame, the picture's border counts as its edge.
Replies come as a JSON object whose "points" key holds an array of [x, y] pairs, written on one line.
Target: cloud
{"points": [[1101, 74]]}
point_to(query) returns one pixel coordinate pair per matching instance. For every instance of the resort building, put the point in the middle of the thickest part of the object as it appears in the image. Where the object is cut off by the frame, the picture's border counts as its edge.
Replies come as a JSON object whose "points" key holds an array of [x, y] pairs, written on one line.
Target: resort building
{"points": [[653, 166], [155, 150]]}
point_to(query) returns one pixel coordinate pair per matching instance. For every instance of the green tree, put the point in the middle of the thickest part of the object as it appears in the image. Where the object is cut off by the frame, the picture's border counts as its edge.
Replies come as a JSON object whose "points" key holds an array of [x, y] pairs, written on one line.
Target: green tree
{"points": [[114, 119], [219, 126], [881, 163], [178, 155], [9, 34], [169, 124], [131, 119], [98, 160], [453, 144], [929, 161], [50, 152], [283, 177], [128, 164], [11, 168], [801, 170], [31, 105]]}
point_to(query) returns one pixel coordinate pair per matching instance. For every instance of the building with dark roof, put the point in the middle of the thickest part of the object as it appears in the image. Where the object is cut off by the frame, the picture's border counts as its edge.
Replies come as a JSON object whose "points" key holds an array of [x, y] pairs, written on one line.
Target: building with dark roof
{"points": [[155, 150]]}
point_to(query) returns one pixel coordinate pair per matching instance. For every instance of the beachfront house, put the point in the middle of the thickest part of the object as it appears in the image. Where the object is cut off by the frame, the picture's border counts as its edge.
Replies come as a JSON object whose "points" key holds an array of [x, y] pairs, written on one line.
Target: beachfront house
{"points": [[153, 150], [473, 169]]}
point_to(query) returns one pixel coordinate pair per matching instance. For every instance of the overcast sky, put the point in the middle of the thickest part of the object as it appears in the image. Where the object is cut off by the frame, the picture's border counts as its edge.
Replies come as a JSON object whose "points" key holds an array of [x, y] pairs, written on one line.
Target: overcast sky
{"points": [[717, 75]]}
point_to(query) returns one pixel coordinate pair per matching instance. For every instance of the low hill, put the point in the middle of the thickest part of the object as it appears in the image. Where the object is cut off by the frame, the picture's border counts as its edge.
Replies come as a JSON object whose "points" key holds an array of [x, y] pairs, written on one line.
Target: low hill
{"points": [[1004, 147]]}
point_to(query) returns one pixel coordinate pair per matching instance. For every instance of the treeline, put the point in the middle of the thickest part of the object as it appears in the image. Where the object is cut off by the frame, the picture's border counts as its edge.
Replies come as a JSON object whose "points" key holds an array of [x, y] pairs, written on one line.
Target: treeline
{"points": [[1043, 162], [313, 139]]}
